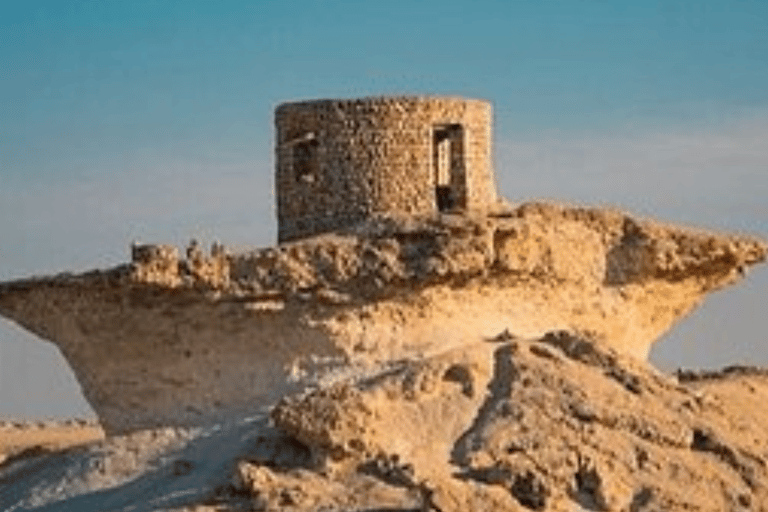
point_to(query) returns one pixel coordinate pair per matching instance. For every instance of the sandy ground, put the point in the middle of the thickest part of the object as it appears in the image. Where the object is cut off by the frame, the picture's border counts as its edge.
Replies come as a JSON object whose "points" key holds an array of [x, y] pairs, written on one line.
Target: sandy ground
{"points": [[17, 437], [152, 470]]}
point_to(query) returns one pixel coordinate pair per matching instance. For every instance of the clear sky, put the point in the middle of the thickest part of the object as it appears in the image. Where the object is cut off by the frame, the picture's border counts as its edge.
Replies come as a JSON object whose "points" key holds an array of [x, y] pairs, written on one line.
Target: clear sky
{"points": [[152, 120]]}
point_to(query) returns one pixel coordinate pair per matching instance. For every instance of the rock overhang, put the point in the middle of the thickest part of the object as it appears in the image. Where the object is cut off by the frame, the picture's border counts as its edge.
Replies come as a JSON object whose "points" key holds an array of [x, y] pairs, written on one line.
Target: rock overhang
{"points": [[171, 340]]}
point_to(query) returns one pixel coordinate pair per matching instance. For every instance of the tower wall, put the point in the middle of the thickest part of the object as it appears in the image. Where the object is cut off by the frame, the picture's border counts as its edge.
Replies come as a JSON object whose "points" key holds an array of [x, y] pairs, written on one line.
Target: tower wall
{"points": [[340, 161]]}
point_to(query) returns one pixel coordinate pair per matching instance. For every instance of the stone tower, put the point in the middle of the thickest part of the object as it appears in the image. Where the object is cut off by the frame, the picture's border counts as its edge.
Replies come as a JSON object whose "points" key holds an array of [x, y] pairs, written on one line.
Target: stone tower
{"points": [[341, 161]]}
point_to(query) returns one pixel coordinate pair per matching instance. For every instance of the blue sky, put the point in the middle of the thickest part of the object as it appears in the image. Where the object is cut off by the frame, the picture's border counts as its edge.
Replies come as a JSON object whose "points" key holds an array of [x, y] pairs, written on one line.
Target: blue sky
{"points": [[153, 121]]}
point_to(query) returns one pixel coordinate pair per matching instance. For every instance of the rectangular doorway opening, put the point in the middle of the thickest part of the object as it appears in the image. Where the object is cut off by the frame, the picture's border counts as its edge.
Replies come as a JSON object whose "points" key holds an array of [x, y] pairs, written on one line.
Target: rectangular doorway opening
{"points": [[449, 167]]}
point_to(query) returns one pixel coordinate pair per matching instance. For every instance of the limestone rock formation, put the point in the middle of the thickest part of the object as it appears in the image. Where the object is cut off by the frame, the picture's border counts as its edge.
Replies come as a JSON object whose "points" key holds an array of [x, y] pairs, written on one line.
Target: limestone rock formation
{"points": [[188, 341], [417, 346], [558, 423]]}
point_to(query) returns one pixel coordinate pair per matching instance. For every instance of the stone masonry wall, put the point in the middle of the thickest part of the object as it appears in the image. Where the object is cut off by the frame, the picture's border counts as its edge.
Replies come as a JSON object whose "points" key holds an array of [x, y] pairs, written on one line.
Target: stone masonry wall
{"points": [[341, 161]]}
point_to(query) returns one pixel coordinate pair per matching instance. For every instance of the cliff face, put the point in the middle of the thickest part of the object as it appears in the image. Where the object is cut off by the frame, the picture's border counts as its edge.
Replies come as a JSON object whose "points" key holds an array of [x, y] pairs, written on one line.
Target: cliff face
{"points": [[171, 341]]}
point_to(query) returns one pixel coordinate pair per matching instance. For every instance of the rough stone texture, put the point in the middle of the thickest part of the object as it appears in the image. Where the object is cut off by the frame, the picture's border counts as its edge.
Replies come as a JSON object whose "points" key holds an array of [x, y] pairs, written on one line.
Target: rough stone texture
{"points": [[559, 423], [171, 341], [342, 161], [301, 489], [554, 424]]}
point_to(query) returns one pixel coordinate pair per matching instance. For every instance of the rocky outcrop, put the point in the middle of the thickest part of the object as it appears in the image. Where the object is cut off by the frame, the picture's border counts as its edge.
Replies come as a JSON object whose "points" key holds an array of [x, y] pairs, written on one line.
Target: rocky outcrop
{"points": [[167, 340], [552, 424]]}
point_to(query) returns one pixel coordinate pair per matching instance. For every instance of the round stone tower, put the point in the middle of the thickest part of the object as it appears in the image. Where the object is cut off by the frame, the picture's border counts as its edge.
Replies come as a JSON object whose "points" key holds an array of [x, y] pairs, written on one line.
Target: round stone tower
{"points": [[340, 161]]}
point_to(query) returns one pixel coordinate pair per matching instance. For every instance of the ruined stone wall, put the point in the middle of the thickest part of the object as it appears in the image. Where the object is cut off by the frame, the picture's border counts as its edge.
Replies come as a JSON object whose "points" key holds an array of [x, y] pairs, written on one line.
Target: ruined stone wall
{"points": [[341, 161]]}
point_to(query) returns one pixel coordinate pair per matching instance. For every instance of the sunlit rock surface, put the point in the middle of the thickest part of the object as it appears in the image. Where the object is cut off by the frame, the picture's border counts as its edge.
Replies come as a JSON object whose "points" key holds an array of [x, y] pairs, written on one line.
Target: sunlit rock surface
{"points": [[196, 340], [552, 424]]}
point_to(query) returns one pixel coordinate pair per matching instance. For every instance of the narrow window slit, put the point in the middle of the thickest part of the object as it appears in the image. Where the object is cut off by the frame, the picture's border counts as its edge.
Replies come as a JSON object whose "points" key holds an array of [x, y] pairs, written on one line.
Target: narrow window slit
{"points": [[449, 167]]}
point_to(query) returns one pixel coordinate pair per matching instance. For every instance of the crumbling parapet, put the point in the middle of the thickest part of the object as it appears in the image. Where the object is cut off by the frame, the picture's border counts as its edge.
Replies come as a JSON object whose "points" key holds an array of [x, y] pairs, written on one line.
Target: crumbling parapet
{"points": [[161, 264], [155, 263]]}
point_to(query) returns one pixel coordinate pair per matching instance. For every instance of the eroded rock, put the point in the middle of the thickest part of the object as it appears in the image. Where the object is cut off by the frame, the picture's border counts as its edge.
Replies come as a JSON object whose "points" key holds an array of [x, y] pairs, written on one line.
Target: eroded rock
{"points": [[559, 423], [167, 340], [554, 426]]}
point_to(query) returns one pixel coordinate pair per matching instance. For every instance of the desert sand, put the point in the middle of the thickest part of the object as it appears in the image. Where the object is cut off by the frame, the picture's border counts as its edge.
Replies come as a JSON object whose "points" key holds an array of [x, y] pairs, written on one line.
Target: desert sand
{"points": [[25, 438]]}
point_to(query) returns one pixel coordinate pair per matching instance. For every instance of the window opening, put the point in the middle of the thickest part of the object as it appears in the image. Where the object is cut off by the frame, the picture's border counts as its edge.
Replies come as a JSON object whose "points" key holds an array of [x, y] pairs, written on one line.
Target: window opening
{"points": [[448, 162], [305, 158]]}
